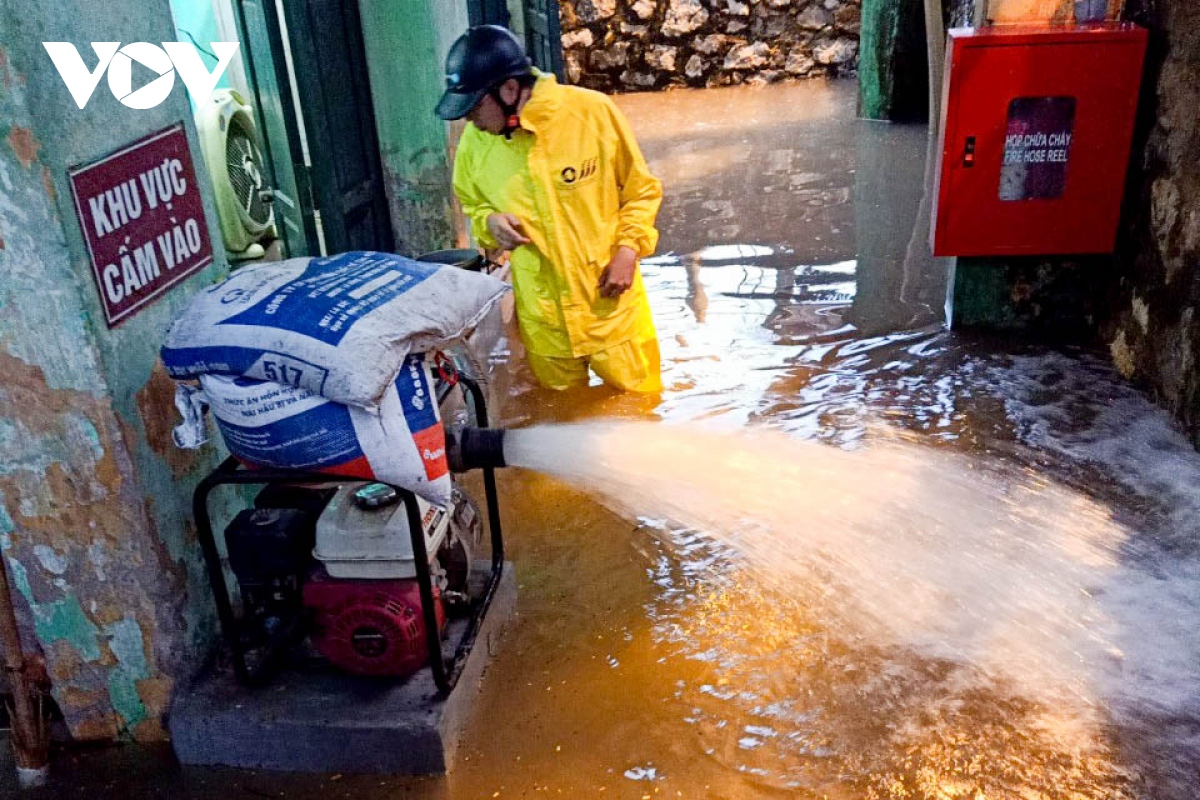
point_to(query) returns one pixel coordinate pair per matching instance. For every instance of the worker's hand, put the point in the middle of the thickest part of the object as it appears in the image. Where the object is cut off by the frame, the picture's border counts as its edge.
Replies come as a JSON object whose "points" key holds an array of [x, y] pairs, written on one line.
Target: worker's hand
{"points": [[617, 277], [507, 230]]}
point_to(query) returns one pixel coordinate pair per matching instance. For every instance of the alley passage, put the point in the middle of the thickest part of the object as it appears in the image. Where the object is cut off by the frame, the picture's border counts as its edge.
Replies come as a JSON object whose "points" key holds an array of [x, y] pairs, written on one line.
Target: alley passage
{"points": [[933, 568]]}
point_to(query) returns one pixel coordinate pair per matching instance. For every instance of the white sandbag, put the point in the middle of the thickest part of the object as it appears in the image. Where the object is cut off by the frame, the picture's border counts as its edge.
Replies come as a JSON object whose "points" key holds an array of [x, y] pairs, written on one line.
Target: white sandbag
{"points": [[272, 425], [339, 326]]}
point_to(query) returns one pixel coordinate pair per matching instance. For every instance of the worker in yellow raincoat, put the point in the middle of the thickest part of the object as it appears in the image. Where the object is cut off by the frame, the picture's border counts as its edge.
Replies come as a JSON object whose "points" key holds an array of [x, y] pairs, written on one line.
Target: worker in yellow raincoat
{"points": [[553, 174]]}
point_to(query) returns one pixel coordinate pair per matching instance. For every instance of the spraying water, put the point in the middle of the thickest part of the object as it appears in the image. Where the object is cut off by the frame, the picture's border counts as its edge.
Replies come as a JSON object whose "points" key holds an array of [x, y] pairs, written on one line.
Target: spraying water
{"points": [[992, 566]]}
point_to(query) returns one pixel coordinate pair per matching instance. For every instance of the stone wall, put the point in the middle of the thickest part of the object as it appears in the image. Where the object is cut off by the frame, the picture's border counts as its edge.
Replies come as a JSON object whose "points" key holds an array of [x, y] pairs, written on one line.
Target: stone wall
{"points": [[1154, 333], [640, 45]]}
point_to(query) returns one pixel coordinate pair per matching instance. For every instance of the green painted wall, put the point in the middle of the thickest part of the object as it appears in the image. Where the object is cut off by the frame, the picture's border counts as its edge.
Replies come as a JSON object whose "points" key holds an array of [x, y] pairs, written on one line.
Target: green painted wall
{"points": [[97, 515], [892, 61], [1057, 298], [450, 21], [406, 43]]}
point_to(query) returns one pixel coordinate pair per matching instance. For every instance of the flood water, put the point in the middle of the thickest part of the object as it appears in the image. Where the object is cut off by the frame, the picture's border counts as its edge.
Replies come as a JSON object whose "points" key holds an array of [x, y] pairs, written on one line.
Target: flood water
{"points": [[939, 566], [942, 566]]}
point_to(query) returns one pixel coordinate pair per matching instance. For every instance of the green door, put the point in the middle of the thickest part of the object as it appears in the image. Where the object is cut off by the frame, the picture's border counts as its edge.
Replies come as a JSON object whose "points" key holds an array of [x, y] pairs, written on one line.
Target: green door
{"points": [[330, 64], [314, 96], [272, 103]]}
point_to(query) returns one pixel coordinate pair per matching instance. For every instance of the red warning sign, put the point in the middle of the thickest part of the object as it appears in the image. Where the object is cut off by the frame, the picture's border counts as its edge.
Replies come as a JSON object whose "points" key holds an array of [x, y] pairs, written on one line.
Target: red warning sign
{"points": [[142, 216]]}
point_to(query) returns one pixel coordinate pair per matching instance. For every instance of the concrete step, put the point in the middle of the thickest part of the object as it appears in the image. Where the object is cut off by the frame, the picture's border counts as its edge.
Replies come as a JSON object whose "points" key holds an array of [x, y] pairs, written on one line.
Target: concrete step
{"points": [[322, 720]]}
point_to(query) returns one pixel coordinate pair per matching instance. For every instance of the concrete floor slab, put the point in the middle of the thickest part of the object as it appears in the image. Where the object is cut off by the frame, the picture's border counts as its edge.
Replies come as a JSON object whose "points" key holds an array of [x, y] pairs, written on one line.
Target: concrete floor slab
{"points": [[311, 720]]}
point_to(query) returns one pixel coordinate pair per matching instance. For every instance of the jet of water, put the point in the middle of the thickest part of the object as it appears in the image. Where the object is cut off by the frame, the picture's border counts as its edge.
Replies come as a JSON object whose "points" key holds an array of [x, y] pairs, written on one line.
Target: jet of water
{"points": [[908, 545]]}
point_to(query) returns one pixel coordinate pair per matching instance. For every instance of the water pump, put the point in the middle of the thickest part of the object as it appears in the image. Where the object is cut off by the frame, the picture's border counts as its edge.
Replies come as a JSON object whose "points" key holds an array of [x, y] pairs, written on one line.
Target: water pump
{"points": [[340, 563], [368, 576]]}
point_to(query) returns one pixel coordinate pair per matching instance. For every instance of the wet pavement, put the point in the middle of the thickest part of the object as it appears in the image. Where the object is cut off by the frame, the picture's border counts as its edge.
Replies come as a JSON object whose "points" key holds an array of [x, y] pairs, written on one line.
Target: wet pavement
{"points": [[794, 291]]}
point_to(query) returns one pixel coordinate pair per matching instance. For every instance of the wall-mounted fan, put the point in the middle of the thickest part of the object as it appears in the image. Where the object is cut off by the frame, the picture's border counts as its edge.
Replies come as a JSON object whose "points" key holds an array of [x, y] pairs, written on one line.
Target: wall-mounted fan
{"points": [[229, 142]]}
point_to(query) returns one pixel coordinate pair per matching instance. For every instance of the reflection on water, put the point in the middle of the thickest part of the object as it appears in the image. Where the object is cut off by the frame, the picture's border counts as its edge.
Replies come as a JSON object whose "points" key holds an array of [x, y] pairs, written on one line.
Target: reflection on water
{"points": [[1079, 640], [1059, 658]]}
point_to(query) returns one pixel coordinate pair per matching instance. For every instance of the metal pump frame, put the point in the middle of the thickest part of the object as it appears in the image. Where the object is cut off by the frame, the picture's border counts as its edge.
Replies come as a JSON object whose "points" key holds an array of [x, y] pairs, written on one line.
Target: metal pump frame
{"points": [[446, 672]]}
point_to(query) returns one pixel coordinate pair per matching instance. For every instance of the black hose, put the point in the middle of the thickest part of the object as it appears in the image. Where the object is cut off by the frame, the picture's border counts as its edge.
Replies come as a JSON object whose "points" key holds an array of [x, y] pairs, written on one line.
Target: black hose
{"points": [[475, 448]]}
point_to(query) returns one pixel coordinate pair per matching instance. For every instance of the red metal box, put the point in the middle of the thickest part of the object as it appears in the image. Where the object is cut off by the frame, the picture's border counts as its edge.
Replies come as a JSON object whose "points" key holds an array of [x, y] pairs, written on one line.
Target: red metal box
{"points": [[1034, 139]]}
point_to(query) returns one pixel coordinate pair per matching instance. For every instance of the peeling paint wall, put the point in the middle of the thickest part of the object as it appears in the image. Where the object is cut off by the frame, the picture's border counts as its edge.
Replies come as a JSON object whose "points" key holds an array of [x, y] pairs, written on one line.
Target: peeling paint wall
{"points": [[1154, 334], [96, 522]]}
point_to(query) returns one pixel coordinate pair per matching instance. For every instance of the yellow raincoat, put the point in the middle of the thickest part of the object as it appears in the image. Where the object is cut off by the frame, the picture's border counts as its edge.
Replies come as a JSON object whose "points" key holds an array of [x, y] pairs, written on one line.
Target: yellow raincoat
{"points": [[574, 175]]}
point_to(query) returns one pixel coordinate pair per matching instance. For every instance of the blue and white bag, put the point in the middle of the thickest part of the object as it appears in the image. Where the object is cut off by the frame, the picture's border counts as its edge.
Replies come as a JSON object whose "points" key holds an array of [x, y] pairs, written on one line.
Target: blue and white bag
{"points": [[339, 326], [267, 424]]}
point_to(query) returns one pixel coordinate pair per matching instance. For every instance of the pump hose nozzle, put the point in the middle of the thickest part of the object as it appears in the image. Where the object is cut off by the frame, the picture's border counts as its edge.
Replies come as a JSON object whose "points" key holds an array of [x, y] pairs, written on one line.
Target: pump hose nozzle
{"points": [[475, 448]]}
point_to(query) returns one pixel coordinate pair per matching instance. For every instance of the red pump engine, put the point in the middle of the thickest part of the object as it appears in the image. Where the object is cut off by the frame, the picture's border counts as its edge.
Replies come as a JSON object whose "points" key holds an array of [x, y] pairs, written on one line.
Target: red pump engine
{"points": [[370, 627], [339, 565]]}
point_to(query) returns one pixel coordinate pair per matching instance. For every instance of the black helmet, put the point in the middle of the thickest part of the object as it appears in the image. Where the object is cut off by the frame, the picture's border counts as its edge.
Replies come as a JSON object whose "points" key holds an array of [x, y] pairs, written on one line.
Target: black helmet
{"points": [[481, 58]]}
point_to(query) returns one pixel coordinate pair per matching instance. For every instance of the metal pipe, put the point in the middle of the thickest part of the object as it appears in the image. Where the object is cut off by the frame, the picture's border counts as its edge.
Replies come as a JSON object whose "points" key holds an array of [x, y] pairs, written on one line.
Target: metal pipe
{"points": [[493, 513], [433, 635], [30, 747]]}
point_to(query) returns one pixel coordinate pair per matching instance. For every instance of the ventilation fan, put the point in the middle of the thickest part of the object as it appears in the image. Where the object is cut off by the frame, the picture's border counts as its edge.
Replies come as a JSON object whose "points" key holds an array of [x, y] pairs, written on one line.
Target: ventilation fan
{"points": [[229, 142]]}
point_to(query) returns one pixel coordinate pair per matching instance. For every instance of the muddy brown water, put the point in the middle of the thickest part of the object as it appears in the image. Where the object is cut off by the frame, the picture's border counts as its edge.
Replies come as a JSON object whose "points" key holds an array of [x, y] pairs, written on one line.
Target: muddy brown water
{"points": [[792, 295]]}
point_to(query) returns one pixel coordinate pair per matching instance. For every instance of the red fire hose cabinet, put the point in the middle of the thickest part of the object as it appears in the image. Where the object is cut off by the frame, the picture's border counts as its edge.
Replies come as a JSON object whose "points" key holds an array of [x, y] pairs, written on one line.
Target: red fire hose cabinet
{"points": [[1035, 135]]}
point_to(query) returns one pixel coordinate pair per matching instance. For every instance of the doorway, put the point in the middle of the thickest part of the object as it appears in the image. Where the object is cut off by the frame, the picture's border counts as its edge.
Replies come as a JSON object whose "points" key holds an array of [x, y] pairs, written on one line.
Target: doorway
{"points": [[302, 67]]}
